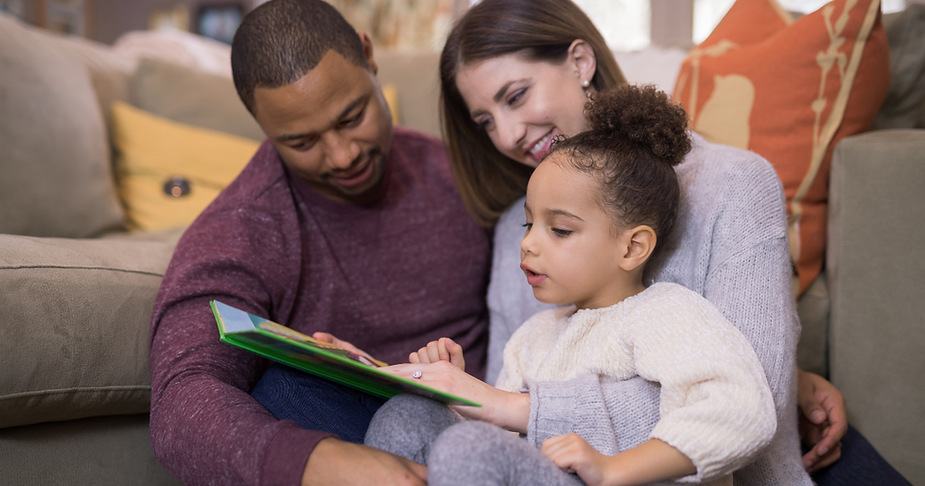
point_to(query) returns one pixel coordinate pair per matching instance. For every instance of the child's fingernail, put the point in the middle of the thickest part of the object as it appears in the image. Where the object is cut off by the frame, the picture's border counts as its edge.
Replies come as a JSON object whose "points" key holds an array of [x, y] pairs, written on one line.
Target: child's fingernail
{"points": [[823, 450], [817, 416]]}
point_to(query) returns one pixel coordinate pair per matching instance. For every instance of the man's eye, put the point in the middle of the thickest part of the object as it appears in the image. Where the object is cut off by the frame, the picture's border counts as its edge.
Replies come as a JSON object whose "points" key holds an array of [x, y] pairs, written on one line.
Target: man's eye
{"points": [[352, 122], [561, 232]]}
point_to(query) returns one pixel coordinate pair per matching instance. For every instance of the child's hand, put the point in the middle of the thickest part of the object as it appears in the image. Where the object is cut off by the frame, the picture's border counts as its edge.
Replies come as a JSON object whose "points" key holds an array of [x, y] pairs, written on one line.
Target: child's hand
{"points": [[574, 455], [444, 349]]}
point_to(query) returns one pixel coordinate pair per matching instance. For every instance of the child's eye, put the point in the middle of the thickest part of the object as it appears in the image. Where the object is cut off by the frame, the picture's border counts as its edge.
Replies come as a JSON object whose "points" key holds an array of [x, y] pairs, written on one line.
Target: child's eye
{"points": [[561, 232], [528, 226]]}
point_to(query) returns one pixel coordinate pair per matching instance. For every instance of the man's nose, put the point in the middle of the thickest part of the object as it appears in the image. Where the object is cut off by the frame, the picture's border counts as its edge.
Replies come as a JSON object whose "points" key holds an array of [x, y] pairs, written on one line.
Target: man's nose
{"points": [[341, 151]]}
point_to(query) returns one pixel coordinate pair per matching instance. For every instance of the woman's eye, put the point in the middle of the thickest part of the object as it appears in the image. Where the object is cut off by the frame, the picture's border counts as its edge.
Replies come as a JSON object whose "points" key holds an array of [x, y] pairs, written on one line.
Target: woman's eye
{"points": [[528, 226], [517, 96], [485, 124], [561, 232]]}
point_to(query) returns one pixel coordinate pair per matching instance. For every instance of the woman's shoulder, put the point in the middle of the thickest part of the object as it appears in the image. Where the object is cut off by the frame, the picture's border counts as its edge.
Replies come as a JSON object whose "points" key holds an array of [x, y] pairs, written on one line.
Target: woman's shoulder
{"points": [[711, 167]]}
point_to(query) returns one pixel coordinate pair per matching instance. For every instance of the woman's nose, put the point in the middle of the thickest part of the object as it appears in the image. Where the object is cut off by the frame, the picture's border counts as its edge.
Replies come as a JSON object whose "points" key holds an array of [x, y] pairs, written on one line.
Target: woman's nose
{"points": [[511, 133]]}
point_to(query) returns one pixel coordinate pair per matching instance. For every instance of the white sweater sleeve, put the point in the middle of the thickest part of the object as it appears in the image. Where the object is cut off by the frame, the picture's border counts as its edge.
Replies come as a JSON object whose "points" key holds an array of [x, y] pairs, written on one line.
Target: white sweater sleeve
{"points": [[715, 405]]}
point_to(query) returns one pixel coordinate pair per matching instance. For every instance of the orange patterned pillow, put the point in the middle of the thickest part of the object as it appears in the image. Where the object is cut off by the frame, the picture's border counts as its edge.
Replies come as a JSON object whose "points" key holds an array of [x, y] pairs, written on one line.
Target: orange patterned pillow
{"points": [[789, 91]]}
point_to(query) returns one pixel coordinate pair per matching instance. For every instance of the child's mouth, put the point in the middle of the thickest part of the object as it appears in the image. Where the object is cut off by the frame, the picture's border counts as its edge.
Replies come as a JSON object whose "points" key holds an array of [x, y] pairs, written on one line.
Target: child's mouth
{"points": [[533, 278]]}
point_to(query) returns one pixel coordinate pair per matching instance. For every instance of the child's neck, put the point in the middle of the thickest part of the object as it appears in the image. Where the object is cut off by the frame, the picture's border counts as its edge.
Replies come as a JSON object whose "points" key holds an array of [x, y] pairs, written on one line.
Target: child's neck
{"points": [[613, 296]]}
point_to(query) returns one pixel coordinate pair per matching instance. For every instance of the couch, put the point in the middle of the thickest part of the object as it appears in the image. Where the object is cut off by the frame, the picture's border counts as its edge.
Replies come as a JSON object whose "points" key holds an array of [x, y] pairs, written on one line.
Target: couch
{"points": [[78, 278]]}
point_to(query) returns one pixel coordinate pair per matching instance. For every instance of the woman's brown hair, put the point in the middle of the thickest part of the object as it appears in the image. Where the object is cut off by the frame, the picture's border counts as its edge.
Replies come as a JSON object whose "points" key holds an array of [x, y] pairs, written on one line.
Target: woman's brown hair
{"points": [[539, 30]]}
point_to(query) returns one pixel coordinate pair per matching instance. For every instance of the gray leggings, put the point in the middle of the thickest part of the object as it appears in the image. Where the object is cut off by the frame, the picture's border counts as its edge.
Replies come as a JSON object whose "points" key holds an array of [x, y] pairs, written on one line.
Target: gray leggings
{"points": [[460, 452]]}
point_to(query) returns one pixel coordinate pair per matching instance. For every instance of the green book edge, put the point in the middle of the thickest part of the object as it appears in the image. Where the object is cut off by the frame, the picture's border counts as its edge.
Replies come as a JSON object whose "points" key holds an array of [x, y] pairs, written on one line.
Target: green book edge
{"points": [[241, 329]]}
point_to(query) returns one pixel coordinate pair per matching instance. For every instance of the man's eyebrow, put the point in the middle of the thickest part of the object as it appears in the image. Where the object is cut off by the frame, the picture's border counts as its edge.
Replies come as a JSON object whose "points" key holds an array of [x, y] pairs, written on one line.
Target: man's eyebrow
{"points": [[346, 111], [500, 94]]}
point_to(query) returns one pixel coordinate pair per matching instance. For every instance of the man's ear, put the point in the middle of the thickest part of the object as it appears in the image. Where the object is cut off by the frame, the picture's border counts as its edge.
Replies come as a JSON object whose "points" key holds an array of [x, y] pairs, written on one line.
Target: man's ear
{"points": [[583, 59], [637, 246], [368, 51]]}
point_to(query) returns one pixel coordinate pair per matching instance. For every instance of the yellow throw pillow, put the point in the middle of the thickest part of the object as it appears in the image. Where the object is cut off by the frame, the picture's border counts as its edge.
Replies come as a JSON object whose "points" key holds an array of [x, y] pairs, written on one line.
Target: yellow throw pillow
{"points": [[168, 172]]}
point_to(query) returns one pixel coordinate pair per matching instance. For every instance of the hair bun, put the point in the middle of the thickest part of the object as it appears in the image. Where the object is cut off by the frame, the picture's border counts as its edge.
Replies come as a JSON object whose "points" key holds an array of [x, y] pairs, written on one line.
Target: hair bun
{"points": [[643, 115]]}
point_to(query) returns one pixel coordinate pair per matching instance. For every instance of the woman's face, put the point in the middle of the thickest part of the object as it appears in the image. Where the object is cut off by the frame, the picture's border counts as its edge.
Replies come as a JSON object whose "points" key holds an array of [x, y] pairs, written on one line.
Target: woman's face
{"points": [[523, 105]]}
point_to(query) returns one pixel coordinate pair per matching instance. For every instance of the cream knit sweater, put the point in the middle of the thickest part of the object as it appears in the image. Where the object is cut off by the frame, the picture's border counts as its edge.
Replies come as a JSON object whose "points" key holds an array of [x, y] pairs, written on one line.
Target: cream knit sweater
{"points": [[716, 406], [730, 246]]}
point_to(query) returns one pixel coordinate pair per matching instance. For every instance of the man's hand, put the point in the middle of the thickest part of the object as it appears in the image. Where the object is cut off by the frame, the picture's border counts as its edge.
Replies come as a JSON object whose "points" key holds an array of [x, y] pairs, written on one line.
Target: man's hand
{"points": [[444, 349], [330, 339], [337, 462], [823, 421]]}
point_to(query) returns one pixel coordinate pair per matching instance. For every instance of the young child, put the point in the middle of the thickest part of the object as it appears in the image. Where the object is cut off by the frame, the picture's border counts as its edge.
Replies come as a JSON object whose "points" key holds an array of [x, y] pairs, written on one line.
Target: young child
{"points": [[597, 208]]}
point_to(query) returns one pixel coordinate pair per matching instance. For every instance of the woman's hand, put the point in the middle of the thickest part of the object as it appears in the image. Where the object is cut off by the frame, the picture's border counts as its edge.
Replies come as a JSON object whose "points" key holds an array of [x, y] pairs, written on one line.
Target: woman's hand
{"points": [[444, 349], [507, 410], [823, 421]]}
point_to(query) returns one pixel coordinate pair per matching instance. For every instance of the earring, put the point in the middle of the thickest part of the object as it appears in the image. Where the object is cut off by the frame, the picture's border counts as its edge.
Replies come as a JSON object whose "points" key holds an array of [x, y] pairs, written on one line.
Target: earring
{"points": [[585, 84]]}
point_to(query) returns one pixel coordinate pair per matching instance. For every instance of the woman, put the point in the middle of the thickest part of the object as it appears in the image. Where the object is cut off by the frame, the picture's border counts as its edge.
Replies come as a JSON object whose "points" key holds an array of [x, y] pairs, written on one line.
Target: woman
{"points": [[515, 74]]}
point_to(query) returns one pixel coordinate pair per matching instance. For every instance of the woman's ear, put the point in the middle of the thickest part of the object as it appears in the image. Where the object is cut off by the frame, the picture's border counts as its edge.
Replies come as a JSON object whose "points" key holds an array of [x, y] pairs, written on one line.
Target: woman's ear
{"points": [[582, 57], [368, 51], [637, 244]]}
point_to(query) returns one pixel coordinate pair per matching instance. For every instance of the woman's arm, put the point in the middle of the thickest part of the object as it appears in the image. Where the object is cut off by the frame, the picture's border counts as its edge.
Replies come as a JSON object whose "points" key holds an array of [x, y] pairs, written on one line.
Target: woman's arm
{"points": [[505, 409]]}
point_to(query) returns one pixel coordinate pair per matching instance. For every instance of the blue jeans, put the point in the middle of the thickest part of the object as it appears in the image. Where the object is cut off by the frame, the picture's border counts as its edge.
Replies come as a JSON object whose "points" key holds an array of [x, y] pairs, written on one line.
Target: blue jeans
{"points": [[860, 464], [316, 403]]}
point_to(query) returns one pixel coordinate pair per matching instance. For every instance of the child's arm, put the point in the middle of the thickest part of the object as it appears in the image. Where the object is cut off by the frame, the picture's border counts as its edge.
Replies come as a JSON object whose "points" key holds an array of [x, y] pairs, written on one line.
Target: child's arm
{"points": [[444, 349], [648, 462]]}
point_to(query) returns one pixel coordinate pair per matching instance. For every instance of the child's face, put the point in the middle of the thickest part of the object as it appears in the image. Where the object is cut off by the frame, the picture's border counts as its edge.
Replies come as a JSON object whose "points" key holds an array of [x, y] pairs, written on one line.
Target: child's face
{"points": [[570, 252]]}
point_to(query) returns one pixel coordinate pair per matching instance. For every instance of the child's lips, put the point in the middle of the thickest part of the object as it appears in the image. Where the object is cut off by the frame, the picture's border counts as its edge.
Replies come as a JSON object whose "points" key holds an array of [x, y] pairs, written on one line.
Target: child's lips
{"points": [[533, 278]]}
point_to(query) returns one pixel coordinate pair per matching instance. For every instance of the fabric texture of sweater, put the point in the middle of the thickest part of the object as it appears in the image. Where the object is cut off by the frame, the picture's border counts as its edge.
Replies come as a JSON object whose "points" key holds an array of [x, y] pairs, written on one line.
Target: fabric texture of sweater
{"points": [[388, 277], [730, 246], [716, 406]]}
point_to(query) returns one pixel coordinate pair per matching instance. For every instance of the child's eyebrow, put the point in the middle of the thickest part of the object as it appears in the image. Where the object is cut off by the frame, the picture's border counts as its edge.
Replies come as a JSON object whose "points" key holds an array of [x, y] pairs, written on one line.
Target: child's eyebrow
{"points": [[561, 212]]}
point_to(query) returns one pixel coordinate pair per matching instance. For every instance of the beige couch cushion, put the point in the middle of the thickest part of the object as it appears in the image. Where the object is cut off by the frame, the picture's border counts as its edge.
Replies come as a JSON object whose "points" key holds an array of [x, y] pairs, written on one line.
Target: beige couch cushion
{"points": [[75, 316], [57, 179], [876, 276], [192, 97]]}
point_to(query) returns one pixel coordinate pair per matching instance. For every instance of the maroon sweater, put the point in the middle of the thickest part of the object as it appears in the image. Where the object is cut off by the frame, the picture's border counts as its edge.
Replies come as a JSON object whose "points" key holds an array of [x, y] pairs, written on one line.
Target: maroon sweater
{"points": [[388, 278]]}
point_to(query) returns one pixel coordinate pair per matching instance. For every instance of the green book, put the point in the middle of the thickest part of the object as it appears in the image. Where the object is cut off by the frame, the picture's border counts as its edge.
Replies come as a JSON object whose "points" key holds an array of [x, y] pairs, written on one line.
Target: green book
{"points": [[284, 345]]}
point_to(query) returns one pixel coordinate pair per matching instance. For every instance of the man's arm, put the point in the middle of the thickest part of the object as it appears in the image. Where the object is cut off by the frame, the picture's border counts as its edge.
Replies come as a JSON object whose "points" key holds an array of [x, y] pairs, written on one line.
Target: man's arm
{"points": [[205, 426]]}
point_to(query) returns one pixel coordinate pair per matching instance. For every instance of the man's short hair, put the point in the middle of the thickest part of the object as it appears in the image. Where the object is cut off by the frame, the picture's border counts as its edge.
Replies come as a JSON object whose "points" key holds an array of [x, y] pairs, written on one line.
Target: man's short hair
{"points": [[282, 40]]}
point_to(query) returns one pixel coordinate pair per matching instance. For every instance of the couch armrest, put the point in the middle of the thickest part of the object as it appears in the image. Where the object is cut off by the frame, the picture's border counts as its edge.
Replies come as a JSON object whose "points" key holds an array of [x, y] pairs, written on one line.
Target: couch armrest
{"points": [[876, 271], [74, 322]]}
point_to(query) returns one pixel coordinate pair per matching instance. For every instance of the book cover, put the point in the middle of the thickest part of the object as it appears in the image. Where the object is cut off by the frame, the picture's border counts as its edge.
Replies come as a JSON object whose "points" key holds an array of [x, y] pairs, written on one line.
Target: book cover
{"points": [[284, 345]]}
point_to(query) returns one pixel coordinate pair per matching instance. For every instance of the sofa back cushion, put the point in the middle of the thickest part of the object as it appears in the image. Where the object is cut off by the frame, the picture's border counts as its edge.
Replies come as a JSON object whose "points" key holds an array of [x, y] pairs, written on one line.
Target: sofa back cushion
{"points": [[193, 97], [57, 179]]}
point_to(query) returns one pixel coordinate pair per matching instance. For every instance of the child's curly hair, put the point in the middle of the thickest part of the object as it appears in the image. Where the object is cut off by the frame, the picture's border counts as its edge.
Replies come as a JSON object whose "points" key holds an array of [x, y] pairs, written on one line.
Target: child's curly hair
{"points": [[637, 136]]}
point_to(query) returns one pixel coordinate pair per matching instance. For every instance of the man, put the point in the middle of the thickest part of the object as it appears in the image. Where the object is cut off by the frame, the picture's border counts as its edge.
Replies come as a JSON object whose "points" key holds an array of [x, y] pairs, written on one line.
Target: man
{"points": [[339, 224]]}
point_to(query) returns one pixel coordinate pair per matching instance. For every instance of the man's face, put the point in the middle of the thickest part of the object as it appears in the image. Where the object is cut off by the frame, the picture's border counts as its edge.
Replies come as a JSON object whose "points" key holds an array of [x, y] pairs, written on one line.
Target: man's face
{"points": [[332, 128]]}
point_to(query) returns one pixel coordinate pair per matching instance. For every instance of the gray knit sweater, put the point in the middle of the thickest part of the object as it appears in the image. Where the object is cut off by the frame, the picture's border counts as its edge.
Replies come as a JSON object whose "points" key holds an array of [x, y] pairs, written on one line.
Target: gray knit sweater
{"points": [[730, 245]]}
